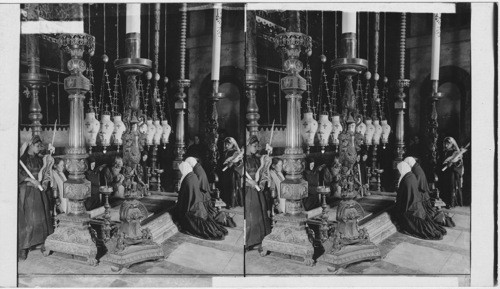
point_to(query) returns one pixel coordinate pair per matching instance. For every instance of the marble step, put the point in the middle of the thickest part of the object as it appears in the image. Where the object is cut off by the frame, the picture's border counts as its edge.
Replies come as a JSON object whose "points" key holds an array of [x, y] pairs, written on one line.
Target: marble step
{"points": [[380, 227], [162, 227]]}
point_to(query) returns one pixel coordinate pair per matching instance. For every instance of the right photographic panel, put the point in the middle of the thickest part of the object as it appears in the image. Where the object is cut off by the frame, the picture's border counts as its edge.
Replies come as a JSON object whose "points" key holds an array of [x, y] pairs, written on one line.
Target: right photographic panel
{"points": [[357, 155]]}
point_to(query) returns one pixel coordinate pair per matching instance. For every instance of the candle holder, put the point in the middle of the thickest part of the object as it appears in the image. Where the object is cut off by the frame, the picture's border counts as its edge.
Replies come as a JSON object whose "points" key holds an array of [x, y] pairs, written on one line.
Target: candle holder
{"points": [[132, 65], [106, 191], [289, 235], [349, 243], [72, 234], [158, 178]]}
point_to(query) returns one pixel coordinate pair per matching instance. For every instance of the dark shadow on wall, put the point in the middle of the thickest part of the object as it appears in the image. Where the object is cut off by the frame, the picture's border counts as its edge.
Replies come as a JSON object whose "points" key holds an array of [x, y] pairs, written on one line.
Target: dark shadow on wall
{"points": [[232, 84], [454, 117]]}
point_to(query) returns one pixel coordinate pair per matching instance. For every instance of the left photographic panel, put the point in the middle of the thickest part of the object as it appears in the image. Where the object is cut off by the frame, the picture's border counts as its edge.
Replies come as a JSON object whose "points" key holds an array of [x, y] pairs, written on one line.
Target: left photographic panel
{"points": [[125, 111]]}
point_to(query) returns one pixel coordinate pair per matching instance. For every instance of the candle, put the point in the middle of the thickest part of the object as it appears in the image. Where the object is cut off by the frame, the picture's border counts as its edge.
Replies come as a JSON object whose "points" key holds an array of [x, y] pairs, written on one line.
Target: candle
{"points": [[348, 22], [216, 44], [133, 19], [436, 45]]}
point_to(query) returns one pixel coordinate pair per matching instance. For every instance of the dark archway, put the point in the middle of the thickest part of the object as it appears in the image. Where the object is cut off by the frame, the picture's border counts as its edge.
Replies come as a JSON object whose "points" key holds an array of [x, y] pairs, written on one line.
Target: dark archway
{"points": [[454, 114], [232, 81]]}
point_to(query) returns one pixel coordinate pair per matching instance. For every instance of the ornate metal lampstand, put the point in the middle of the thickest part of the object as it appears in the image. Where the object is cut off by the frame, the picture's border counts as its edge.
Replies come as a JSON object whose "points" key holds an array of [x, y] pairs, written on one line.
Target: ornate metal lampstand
{"points": [[400, 104], [253, 79], [73, 234], [33, 81], [106, 191], [289, 235], [349, 244], [180, 105], [131, 244], [213, 116]]}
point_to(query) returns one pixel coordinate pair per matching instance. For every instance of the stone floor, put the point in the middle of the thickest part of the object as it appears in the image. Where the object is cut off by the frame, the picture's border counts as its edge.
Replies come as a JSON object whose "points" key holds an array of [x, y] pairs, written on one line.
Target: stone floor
{"points": [[184, 255], [401, 255]]}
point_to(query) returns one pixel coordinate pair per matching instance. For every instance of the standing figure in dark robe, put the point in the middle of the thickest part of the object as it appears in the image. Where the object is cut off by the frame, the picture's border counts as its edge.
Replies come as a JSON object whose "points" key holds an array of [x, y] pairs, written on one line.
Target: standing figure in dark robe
{"points": [[450, 179], [197, 150], [229, 182], [191, 211], [258, 224], [34, 219], [437, 215], [412, 217], [312, 174], [93, 174]]}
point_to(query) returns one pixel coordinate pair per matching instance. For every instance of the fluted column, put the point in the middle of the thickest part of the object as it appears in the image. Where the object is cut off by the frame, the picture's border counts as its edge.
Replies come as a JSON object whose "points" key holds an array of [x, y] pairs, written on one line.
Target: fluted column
{"points": [[253, 79]]}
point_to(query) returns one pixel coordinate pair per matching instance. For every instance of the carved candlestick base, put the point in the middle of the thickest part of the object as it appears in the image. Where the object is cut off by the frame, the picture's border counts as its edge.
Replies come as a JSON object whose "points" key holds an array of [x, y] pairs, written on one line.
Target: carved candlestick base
{"points": [[289, 234], [348, 244]]}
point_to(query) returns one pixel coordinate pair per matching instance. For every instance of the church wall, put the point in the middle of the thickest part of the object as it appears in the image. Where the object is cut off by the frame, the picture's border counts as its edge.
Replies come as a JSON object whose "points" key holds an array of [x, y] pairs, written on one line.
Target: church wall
{"points": [[455, 51], [199, 46]]}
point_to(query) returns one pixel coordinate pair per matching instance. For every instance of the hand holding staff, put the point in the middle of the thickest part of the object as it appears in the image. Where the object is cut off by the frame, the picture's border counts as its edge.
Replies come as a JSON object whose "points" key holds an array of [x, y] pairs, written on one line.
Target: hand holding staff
{"points": [[29, 173]]}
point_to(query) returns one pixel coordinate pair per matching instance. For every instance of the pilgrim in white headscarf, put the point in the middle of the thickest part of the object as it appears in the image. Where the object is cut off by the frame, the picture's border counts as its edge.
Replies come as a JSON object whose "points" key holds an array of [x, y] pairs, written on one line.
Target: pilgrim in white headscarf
{"points": [[230, 176], [34, 218], [450, 180], [191, 212], [411, 214], [436, 214]]}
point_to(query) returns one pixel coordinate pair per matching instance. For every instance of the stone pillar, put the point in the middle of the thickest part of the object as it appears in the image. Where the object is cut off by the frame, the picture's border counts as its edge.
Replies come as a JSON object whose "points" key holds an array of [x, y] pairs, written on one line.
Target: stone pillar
{"points": [[289, 235], [73, 234], [253, 79], [180, 105], [33, 81]]}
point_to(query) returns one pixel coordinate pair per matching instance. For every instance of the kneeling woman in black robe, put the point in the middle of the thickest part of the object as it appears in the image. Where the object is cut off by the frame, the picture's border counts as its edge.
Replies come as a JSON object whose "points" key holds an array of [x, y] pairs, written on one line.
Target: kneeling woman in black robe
{"points": [[412, 216], [191, 211], [423, 186]]}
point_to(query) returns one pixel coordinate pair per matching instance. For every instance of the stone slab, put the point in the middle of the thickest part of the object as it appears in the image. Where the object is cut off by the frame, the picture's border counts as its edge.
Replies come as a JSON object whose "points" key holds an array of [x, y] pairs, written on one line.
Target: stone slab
{"points": [[235, 265], [456, 264], [202, 258], [461, 221], [415, 257]]}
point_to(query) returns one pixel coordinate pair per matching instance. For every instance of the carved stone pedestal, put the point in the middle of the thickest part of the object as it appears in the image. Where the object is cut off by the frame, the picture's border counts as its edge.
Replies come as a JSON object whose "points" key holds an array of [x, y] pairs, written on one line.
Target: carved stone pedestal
{"points": [[73, 236], [349, 255], [133, 255], [289, 234], [348, 244]]}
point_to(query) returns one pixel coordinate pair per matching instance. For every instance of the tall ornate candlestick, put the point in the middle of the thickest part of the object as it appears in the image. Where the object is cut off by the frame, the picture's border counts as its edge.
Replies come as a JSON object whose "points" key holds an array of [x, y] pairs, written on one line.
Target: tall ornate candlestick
{"points": [[72, 235], [212, 117], [436, 95], [253, 79], [289, 235], [400, 104], [132, 65], [349, 244], [180, 104], [33, 81]]}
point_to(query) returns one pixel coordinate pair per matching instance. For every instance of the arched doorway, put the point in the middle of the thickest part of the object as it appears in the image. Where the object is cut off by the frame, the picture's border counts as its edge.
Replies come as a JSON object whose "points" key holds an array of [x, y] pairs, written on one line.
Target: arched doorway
{"points": [[232, 85], [454, 113]]}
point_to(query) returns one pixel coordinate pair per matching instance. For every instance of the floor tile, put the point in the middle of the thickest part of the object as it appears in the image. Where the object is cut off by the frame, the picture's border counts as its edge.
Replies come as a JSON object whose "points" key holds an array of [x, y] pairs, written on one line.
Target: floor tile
{"points": [[199, 257], [419, 258], [456, 264]]}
